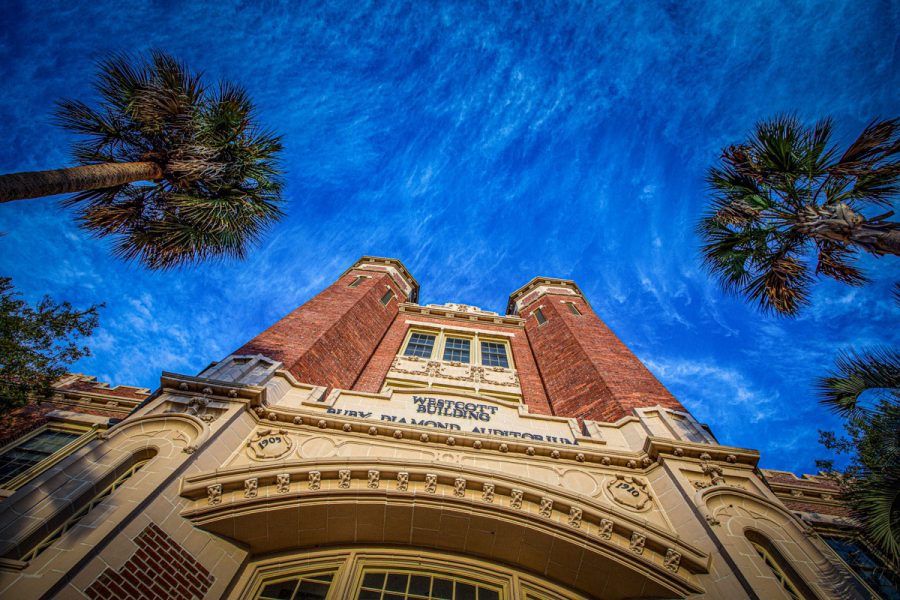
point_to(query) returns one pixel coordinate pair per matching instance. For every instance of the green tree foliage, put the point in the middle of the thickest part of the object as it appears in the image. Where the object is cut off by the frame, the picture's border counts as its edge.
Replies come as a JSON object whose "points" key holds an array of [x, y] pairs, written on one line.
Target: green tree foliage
{"points": [[174, 171], [37, 344], [865, 390], [786, 199]]}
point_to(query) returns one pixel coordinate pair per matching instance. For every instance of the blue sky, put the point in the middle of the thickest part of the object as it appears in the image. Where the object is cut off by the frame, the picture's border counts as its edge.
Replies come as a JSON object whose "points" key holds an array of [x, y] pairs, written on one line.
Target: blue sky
{"points": [[482, 144]]}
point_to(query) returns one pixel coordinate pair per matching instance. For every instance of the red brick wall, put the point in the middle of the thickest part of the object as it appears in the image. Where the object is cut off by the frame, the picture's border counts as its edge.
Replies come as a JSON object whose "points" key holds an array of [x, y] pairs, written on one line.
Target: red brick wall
{"points": [[159, 569], [375, 372], [328, 340], [588, 372]]}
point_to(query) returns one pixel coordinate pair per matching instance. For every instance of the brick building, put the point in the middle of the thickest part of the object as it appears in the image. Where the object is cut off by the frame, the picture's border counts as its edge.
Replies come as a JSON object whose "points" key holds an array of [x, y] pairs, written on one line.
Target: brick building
{"points": [[366, 446]]}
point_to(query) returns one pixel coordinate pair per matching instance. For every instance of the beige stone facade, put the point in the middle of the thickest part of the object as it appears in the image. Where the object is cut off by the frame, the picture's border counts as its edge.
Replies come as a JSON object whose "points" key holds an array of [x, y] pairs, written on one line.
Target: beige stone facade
{"points": [[245, 482]]}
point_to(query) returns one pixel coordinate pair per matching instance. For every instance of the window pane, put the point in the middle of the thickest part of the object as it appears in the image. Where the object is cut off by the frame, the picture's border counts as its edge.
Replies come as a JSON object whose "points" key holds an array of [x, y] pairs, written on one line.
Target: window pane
{"points": [[387, 297], [493, 354], [420, 344], [442, 589], [396, 582], [464, 591], [311, 590], [539, 315], [419, 584], [21, 458], [280, 591], [573, 309], [456, 350]]}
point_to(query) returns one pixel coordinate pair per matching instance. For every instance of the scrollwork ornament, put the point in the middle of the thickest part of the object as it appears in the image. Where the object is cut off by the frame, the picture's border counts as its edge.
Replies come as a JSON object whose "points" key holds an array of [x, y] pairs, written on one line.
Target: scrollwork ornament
{"points": [[283, 483], [430, 483], [459, 487], [672, 561], [546, 507], [605, 529], [374, 479], [637, 542], [315, 480], [575, 515], [214, 493], [344, 478], [515, 499], [402, 481], [251, 487], [487, 492]]}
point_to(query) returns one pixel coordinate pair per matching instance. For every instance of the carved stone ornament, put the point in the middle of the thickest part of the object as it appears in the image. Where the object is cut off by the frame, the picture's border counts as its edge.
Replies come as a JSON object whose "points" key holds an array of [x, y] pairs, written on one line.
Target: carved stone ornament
{"points": [[554, 454], [251, 487], [269, 444], [344, 478], [678, 452], [487, 492], [298, 420], [575, 514], [712, 520], [504, 447], [515, 499], [579, 457], [283, 483], [451, 441], [315, 480], [214, 493], [637, 542], [430, 483], [529, 451], [477, 444], [711, 470], [402, 481], [347, 427], [423, 438], [322, 423], [546, 508], [374, 479], [631, 464], [605, 529], [605, 461], [630, 492], [459, 487], [373, 430], [672, 560], [398, 434]]}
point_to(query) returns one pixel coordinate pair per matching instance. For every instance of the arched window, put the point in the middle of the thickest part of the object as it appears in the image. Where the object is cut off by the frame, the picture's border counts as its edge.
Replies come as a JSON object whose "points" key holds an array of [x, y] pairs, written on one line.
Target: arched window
{"points": [[133, 466], [780, 569]]}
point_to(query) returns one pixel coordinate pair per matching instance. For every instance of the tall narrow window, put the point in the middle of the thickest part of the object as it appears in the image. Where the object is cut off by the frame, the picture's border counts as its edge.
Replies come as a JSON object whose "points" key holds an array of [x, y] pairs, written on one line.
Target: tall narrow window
{"points": [[359, 279], [493, 354], [139, 461], [539, 315], [456, 350], [573, 309], [22, 457], [387, 297], [420, 344], [781, 569]]}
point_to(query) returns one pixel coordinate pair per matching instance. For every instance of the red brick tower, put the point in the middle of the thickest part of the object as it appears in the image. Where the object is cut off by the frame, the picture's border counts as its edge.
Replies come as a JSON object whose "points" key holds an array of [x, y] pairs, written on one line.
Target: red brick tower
{"points": [[328, 340], [587, 371]]}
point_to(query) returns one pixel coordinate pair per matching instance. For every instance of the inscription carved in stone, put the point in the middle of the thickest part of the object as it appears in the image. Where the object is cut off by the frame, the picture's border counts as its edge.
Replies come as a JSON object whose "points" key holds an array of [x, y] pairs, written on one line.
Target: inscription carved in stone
{"points": [[630, 492], [269, 444]]}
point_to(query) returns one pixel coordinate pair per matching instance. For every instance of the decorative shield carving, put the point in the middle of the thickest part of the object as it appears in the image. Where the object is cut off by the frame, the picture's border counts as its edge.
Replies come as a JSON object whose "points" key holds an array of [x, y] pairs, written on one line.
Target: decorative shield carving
{"points": [[630, 492], [268, 444]]}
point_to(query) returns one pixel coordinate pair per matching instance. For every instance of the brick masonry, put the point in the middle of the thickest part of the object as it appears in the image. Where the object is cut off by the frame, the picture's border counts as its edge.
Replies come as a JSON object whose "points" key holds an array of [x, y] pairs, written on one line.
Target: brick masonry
{"points": [[529, 379], [587, 370], [158, 570], [328, 340]]}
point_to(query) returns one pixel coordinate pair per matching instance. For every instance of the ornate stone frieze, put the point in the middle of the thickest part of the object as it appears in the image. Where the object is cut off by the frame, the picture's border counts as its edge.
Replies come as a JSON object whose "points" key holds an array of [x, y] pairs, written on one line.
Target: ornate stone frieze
{"points": [[214, 493], [605, 529], [430, 483], [251, 487], [575, 514], [515, 499], [487, 492], [315, 480], [402, 481], [672, 560], [344, 478], [373, 479], [546, 507], [459, 487], [283, 483]]}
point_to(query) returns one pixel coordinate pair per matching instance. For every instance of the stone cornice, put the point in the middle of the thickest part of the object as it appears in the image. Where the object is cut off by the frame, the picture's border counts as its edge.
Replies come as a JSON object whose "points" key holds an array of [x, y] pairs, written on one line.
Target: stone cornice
{"points": [[392, 267], [541, 286], [462, 316]]}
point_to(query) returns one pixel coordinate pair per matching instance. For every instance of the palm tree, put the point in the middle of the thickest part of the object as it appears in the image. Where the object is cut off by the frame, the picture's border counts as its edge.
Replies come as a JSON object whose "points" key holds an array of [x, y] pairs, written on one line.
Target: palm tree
{"points": [[785, 193], [871, 485], [176, 172]]}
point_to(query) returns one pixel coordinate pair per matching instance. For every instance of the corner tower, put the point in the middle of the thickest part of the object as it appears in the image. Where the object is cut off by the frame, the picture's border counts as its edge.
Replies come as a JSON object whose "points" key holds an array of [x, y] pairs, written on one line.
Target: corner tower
{"points": [[328, 340], [587, 370]]}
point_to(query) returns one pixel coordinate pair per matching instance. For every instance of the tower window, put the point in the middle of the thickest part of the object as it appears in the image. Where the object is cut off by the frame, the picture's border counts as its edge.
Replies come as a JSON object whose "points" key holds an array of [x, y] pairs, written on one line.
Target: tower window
{"points": [[539, 315], [420, 344], [359, 279], [456, 350], [493, 354], [573, 309], [387, 297]]}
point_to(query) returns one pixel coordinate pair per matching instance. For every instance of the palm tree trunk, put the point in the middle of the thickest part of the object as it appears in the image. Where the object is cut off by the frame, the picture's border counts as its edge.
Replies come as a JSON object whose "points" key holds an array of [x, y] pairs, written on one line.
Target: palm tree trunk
{"points": [[841, 224], [33, 184]]}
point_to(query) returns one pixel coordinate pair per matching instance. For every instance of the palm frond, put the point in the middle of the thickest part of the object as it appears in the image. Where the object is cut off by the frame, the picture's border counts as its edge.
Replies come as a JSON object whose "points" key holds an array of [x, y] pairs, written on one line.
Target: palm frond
{"points": [[859, 372]]}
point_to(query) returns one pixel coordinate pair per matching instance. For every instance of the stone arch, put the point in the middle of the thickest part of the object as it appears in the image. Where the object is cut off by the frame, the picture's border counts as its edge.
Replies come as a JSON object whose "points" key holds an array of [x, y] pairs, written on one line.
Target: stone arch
{"points": [[739, 518], [549, 533], [169, 433]]}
